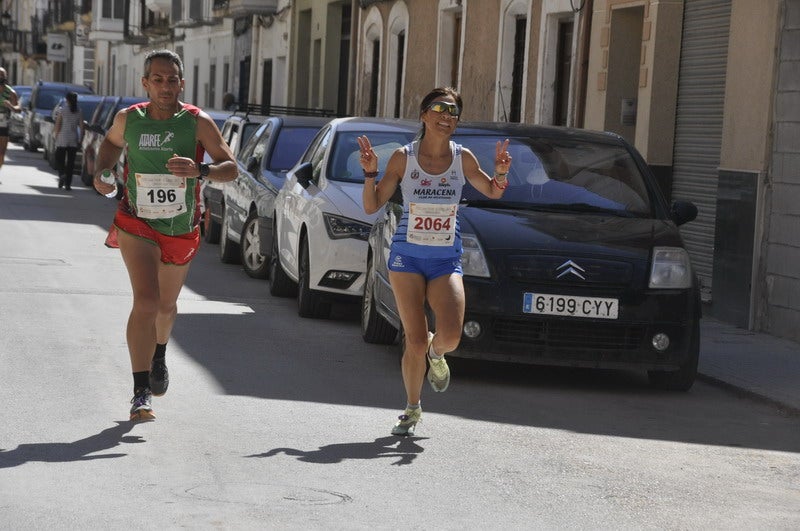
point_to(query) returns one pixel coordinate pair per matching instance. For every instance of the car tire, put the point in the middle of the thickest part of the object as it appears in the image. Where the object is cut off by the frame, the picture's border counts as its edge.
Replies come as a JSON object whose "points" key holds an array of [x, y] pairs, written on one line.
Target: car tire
{"points": [[310, 303], [253, 261], [211, 229], [374, 327], [228, 249], [684, 377], [280, 285]]}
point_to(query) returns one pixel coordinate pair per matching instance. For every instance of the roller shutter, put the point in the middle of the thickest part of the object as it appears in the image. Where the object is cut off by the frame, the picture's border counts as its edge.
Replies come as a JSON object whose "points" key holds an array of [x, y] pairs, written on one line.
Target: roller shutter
{"points": [[698, 131]]}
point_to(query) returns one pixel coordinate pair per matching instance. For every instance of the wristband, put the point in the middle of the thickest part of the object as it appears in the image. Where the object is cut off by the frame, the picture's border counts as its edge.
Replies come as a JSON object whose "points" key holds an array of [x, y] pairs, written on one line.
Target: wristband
{"points": [[501, 186], [370, 174]]}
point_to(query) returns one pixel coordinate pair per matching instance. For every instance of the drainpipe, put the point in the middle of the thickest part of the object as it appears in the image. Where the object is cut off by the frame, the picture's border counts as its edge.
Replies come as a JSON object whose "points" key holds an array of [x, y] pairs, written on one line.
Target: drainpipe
{"points": [[578, 95]]}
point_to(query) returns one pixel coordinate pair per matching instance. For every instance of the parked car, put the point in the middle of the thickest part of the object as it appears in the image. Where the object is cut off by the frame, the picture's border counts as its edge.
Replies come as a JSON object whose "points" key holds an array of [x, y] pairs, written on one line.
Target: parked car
{"points": [[44, 97], [16, 125], [579, 264], [96, 130], [249, 200], [87, 103], [236, 131], [319, 248]]}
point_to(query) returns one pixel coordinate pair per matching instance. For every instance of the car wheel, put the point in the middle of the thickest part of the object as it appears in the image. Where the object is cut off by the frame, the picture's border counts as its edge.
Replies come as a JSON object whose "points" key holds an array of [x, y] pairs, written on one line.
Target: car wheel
{"points": [[310, 303], [280, 285], [684, 377], [374, 327], [228, 249], [255, 265], [211, 229]]}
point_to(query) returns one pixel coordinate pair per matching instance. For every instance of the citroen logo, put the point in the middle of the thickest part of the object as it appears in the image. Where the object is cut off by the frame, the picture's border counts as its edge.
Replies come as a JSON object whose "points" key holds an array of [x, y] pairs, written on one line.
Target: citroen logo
{"points": [[570, 268]]}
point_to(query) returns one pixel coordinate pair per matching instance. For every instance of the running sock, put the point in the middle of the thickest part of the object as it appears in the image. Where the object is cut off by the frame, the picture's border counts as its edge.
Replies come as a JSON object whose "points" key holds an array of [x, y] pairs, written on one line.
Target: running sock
{"points": [[161, 351], [141, 379], [413, 406], [432, 353]]}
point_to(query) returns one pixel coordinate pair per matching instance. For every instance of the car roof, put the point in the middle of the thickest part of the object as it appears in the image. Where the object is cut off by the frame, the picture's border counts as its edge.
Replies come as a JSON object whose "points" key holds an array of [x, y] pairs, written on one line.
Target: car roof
{"points": [[536, 131], [356, 123], [65, 86], [300, 121]]}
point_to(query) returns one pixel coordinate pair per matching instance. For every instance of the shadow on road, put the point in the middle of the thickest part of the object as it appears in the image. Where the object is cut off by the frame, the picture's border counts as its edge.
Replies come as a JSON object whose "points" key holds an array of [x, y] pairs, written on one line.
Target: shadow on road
{"points": [[405, 449], [79, 450]]}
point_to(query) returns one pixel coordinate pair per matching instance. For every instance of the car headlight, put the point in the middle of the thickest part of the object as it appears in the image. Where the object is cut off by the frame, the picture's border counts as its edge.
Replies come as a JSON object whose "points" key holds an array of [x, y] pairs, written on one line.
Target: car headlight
{"points": [[671, 269], [339, 227], [473, 262]]}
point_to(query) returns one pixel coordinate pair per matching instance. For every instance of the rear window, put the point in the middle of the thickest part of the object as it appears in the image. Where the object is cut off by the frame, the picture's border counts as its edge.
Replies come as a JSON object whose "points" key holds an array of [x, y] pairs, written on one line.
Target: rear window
{"points": [[292, 143]]}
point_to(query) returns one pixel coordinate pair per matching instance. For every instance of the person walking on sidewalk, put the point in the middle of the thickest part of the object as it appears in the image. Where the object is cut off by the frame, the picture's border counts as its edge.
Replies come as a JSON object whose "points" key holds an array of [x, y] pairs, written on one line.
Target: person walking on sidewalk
{"points": [[156, 226], [69, 129], [8, 102], [425, 255]]}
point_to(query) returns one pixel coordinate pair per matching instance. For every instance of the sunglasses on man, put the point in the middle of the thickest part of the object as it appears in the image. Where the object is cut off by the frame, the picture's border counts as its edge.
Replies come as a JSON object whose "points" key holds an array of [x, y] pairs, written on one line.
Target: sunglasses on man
{"points": [[444, 106]]}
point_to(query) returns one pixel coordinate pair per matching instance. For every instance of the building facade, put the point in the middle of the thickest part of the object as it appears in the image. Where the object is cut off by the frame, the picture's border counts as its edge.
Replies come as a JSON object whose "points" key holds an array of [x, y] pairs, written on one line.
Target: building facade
{"points": [[707, 90]]}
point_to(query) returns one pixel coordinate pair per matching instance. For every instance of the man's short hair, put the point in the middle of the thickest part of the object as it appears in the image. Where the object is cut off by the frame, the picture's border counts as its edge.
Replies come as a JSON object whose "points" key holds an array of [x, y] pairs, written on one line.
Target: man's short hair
{"points": [[169, 55]]}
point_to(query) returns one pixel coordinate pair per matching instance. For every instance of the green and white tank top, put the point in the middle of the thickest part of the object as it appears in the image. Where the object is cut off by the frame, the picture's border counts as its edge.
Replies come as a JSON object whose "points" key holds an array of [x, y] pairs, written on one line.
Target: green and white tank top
{"points": [[167, 203]]}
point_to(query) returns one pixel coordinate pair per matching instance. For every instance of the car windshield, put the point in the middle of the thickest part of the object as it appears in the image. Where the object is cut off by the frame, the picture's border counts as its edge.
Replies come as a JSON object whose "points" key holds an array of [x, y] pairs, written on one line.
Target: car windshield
{"points": [[345, 165], [563, 174], [291, 143], [47, 99], [247, 131]]}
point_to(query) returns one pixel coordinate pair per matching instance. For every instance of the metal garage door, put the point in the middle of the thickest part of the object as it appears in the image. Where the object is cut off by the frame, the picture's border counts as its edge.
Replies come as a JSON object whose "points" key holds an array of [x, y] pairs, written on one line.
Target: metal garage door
{"points": [[698, 131]]}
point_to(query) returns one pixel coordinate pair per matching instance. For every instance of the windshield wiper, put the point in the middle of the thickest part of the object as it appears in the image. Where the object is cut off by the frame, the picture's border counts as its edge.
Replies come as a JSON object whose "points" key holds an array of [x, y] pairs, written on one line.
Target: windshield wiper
{"points": [[549, 207]]}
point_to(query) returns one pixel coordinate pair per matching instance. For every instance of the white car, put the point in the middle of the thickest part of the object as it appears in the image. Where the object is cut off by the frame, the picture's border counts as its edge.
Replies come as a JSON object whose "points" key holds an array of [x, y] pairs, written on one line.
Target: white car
{"points": [[319, 247]]}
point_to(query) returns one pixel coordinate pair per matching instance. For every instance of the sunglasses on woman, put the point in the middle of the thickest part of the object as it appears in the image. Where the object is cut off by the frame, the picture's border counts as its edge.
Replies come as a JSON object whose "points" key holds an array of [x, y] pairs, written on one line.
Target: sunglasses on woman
{"points": [[443, 106]]}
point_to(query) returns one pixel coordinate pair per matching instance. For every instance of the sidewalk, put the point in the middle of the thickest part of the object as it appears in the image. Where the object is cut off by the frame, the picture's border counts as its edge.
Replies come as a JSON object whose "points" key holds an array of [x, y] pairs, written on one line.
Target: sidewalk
{"points": [[759, 364]]}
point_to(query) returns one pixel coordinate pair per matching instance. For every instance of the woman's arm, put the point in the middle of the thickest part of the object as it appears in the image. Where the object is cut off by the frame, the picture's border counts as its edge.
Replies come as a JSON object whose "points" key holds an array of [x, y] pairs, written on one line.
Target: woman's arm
{"points": [[492, 187]]}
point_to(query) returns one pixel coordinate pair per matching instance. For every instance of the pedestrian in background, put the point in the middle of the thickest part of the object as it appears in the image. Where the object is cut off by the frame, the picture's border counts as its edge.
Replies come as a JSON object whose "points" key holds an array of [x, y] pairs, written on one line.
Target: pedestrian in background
{"points": [[69, 130], [156, 226], [425, 255]]}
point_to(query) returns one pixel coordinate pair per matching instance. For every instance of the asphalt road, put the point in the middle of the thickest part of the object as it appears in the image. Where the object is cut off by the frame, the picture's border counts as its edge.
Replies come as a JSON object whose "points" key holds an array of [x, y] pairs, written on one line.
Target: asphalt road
{"points": [[277, 422]]}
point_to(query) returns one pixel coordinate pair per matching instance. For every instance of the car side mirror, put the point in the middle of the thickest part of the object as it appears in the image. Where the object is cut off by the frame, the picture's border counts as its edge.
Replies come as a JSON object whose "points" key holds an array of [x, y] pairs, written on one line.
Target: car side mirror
{"points": [[304, 173], [683, 212], [252, 164]]}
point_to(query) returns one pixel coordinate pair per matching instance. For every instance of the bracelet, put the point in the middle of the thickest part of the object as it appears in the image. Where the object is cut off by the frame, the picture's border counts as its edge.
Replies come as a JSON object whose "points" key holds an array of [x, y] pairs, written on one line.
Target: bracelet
{"points": [[370, 174], [501, 186], [500, 174]]}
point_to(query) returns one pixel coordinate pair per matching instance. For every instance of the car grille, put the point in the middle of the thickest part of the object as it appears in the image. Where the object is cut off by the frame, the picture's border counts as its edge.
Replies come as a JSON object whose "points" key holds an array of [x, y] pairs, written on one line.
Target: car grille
{"points": [[545, 269], [573, 336]]}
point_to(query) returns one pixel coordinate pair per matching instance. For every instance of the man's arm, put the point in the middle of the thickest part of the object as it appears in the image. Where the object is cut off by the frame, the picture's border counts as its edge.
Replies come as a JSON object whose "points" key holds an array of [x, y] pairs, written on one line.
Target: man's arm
{"points": [[109, 152]]}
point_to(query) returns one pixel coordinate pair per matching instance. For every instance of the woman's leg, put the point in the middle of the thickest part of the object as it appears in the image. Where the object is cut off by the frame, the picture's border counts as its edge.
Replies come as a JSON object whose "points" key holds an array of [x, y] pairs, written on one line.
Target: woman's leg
{"points": [[446, 299], [60, 154], [409, 292], [70, 167]]}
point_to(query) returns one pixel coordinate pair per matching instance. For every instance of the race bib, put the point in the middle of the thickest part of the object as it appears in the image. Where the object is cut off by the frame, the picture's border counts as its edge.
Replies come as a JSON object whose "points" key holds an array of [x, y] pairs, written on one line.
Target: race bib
{"points": [[430, 224], [160, 195]]}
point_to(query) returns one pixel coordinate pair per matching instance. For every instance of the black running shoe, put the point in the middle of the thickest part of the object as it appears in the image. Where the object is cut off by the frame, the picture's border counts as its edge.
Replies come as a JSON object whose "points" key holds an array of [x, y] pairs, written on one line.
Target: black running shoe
{"points": [[159, 377], [142, 410]]}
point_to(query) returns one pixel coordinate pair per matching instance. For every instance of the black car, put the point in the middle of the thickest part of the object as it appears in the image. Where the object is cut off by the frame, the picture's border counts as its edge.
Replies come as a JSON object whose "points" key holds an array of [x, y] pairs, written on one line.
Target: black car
{"points": [[579, 264], [249, 200]]}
